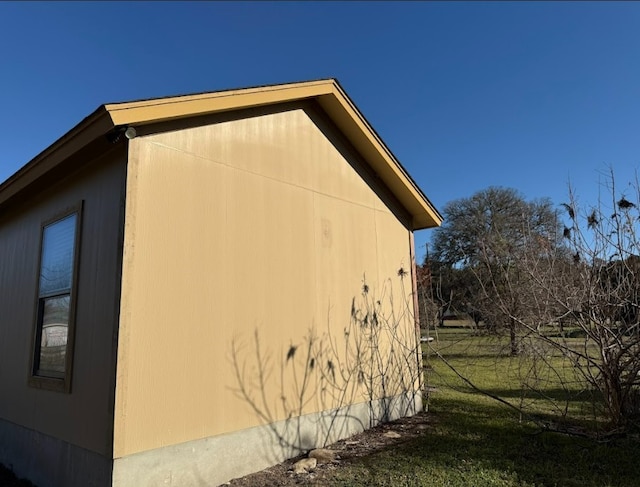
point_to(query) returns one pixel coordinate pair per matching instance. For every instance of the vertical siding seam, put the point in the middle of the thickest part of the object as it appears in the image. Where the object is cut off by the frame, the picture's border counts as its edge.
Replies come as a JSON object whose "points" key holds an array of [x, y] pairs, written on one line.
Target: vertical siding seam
{"points": [[315, 220], [377, 248]]}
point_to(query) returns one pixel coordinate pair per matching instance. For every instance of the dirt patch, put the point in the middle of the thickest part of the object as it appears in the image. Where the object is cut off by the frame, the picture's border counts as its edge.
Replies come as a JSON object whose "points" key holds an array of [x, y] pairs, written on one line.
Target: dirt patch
{"points": [[348, 451]]}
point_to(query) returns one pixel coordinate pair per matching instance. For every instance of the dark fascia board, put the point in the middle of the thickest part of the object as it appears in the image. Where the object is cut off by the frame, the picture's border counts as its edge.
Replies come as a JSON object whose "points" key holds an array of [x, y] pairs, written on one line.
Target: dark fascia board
{"points": [[95, 125]]}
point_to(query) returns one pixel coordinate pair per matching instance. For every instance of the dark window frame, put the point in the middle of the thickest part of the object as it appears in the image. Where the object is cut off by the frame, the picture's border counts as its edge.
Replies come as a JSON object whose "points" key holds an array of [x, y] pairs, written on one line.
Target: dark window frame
{"points": [[51, 380]]}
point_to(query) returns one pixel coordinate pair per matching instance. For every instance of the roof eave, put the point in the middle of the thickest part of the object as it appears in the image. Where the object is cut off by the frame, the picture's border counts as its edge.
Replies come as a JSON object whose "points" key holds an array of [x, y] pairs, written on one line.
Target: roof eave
{"points": [[93, 126], [165, 109], [354, 125]]}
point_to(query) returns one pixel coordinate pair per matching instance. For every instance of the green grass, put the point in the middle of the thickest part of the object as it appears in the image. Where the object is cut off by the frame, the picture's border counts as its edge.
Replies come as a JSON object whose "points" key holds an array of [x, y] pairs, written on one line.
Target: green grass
{"points": [[477, 441], [542, 384]]}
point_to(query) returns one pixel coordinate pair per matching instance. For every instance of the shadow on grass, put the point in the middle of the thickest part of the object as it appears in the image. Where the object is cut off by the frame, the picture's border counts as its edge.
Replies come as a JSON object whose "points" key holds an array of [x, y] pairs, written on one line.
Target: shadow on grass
{"points": [[477, 356], [473, 444], [556, 394]]}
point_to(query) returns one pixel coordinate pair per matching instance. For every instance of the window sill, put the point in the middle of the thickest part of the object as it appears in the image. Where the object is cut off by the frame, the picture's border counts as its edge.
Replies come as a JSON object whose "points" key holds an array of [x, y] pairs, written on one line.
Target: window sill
{"points": [[50, 383]]}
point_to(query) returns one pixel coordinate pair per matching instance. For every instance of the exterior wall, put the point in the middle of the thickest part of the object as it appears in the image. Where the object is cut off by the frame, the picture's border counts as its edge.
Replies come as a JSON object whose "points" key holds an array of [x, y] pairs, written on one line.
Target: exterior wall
{"points": [[44, 434], [50, 462], [246, 242]]}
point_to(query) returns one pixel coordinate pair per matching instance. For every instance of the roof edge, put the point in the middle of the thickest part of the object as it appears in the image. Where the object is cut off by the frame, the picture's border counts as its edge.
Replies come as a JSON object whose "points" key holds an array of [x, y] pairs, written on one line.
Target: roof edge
{"points": [[96, 124], [163, 109], [388, 167]]}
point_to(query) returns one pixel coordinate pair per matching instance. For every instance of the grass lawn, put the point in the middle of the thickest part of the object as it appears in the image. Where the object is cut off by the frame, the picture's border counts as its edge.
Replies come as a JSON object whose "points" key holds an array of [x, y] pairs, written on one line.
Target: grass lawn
{"points": [[476, 441]]}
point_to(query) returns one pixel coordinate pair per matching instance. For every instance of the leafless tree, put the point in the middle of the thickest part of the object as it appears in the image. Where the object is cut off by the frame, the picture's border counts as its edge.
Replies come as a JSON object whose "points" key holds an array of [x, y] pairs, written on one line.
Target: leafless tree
{"points": [[478, 251], [588, 287]]}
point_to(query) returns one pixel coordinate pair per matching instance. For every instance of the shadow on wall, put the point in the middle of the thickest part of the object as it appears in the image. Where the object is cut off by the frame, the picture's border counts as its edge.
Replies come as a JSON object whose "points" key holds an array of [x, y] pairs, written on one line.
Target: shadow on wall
{"points": [[330, 385]]}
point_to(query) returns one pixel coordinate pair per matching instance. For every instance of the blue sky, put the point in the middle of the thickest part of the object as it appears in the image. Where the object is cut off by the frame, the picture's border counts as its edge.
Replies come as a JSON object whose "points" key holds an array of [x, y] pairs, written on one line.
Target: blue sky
{"points": [[467, 95]]}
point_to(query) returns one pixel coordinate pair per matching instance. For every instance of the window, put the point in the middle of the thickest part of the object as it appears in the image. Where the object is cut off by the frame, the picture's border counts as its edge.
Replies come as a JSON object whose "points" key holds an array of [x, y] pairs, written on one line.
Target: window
{"points": [[53, 337]]}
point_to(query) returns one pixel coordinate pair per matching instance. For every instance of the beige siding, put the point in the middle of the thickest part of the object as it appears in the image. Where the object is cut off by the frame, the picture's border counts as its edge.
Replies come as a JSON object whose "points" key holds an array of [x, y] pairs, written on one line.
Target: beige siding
{"points": [[257, 224], [85, 416]]}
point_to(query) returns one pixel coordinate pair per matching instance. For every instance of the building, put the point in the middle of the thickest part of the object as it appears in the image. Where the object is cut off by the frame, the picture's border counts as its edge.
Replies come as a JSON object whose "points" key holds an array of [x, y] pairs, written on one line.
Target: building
{"points": [[178, 279]]}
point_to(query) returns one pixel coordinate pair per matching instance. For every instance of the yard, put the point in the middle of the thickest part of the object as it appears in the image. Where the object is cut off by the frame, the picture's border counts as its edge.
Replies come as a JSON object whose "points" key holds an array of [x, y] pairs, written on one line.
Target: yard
{"points": [[475, 440], [467, 438]]}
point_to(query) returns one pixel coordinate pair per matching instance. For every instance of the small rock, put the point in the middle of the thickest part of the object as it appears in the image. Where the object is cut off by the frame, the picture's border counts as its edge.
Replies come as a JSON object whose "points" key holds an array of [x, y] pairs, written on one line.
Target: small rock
{"points": [[323, 455], [304, 465], [392, 434]]}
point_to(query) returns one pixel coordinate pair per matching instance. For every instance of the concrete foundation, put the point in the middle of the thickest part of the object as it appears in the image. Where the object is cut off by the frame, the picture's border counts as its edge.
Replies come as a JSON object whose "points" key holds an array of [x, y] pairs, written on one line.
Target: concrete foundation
{"points": [[215, 460]]}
